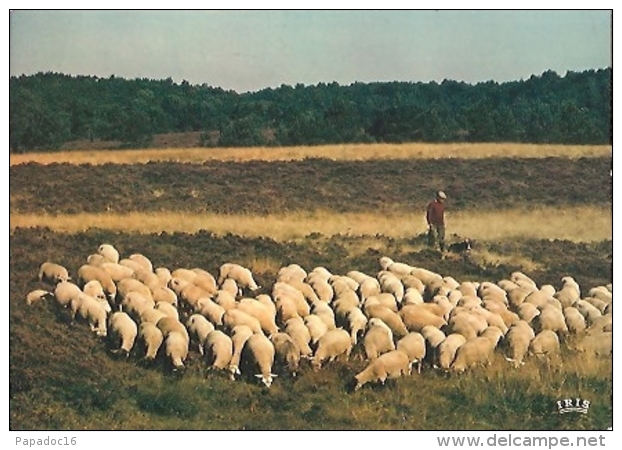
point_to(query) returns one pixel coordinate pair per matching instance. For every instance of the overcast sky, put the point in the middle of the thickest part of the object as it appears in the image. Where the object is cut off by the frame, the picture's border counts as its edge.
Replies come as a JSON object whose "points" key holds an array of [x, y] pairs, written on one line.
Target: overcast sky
{"points": [[251, 50]]}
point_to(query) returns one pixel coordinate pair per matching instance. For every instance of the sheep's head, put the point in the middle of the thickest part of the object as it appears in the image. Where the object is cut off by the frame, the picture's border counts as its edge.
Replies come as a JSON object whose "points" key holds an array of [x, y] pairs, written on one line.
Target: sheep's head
{"points": [[267, 381]]}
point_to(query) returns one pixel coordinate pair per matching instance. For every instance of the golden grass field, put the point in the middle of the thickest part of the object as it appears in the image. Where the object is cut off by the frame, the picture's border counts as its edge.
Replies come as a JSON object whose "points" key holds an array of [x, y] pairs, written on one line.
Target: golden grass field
{"points": [[345, 152]]}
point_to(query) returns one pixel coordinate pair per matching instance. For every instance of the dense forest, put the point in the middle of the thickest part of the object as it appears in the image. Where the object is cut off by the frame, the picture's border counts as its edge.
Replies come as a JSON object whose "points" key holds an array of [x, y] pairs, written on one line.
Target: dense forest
{"points": [[49, 109]]}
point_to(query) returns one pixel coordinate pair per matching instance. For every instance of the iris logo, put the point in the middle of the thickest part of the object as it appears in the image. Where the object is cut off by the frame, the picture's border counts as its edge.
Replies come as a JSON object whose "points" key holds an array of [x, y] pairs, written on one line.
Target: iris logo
{"points": [[568, 405]]}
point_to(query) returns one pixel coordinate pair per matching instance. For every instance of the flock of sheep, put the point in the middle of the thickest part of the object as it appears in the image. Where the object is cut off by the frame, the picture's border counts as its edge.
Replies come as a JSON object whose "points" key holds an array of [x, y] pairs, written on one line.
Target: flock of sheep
{"points": [[401, 316]]}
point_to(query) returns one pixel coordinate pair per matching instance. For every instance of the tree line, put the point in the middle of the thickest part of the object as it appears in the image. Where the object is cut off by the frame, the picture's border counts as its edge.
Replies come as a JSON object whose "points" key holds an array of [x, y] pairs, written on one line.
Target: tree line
{"points": [[48, 109]]}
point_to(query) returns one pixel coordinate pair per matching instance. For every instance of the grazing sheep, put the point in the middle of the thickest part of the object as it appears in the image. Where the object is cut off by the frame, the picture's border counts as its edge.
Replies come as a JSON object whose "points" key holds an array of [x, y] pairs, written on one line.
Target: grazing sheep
{"points": [[124, 262], [165, 295], [601, 293], [298, 331], [447, 350], [391, 284], [413, 344], [259, 352], [317, 327], [392, 319], [545, 342], [66, 291], [242, 276], [468, 324], [96, 259], [384, 299], [286, 309], [589, 311], [393, 364], [600, 324], [569, 293], [433, 337], [96, 290], [528, 312], [37, 295], [235, 317], [599, 344], [261, 312], [282, 290], [230, 286], [176, 349], [109, 252], [323, 289], [412, 296], [333, 344], [53, 273], [198, 329], [122, 331], [117, 271], [151, 338], [396, 267], [211, 310], [149, 279], [167, 309], [305, 289], [225, 300], [141, 259], [474, 352], [378, 339], [325, 313], [134, 303], [356, 322], [415, 317], [517, 341], [164, 275], [597, 303], [187, 292], [523, 280], [205, 280], [287, 353], [239, 335], [91, 310], [218, 350], [151, 315], [574, 320], [88, 273], [168, 325], [128, 285], [517, 296]]}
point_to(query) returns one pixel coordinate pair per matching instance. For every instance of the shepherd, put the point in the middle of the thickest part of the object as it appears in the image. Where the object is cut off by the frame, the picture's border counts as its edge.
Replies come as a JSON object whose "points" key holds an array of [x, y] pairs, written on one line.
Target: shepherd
{"points": [[435, 217]]}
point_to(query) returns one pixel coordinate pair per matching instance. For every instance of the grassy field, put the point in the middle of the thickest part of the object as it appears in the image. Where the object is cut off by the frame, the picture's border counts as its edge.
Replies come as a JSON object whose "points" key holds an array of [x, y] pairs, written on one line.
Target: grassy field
{"points": [[345, 152], [580, 223], [548, 217]]}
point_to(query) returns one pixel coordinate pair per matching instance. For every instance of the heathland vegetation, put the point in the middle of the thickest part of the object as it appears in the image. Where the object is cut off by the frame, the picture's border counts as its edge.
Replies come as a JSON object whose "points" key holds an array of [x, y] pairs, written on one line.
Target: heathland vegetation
{"points": [[546, 216]]}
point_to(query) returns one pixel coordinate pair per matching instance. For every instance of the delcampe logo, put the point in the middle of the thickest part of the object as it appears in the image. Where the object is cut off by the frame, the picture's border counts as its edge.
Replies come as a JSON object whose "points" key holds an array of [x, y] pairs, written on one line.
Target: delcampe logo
{"points": [[569, 405]]}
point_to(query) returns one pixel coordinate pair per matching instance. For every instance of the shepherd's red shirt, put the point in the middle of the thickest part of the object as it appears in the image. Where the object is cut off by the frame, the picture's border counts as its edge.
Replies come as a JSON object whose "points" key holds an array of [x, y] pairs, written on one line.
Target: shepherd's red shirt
{"points": [[436, 213]]}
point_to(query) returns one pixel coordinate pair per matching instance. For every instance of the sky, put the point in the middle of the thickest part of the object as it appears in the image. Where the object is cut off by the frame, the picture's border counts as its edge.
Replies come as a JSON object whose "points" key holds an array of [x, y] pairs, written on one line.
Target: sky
{"points": [[255, 49]]}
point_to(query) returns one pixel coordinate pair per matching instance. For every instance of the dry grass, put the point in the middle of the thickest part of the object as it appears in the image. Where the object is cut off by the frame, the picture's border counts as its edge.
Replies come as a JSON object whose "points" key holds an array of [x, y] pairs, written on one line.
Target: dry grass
{"points": [[345, 152], [579, 224]]}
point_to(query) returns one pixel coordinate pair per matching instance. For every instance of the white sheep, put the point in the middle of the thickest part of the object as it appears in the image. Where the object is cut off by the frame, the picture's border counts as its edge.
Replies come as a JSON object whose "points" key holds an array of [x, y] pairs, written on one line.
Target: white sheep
{"points": [[413, 344], [109, 252], [286, 351], [242, 275], [317, 327], [91, 310], [149, 279], [205, 280], [168, 325], [433, 337], [135, 303], [117, 271], [128, 285], [166, 308], [517, 341], [468, 324], [88, 273], [96, 290], [325, 313], [545, 342], [164, 294], [415, 317], [528, 312], [151, 338], [198, 329], [38, 295], [211, 310], [225, 299], [218, 350], [333, 344], [282, 290], [261, 312], [164, 274], [122, 331], [142, 260], [589, 311], [239, 335], [176, 349], [53, 273], [187, 292], [474, 352], [392, 319], [574, 320], [260, 353], [151, 315], [447, 350], [298, 331], [599, 344], [390, 365], [66, 291], [378, 339], [356, 322], [235, 317]]}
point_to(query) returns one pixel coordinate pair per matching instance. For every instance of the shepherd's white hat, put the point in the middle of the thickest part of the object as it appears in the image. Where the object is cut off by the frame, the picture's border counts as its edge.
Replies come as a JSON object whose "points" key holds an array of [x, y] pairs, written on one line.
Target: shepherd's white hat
{"points": [[441, 194]]}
